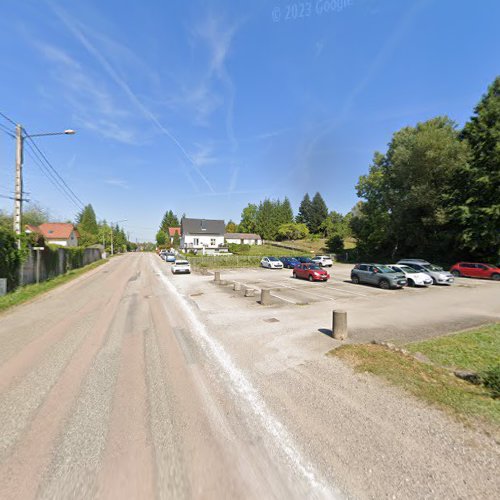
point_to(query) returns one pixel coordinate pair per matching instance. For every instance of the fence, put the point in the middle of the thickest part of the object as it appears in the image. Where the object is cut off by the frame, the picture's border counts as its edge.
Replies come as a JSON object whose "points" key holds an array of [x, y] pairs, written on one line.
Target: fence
{"points": [[56, 261]]}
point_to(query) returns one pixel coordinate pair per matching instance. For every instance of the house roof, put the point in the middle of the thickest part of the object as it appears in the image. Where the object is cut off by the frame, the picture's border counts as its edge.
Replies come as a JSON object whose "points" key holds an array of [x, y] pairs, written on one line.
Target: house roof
{"points": [[54, 230], [202, 226], [173, 230], [242, 236]]}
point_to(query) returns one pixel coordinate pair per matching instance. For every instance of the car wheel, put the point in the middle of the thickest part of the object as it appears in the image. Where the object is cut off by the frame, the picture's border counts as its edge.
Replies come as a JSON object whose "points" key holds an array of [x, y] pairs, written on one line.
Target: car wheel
{"points": [[310, 278], [434, 282], [456, 273], [355, 280], [384, 284], [495, 277], [411, 283], [295, 275]]}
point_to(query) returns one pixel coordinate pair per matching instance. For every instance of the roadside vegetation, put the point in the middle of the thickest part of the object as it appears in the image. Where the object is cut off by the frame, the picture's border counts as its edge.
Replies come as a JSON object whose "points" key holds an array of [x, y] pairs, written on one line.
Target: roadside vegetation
{"points": [[28, 292], [474, 350]]}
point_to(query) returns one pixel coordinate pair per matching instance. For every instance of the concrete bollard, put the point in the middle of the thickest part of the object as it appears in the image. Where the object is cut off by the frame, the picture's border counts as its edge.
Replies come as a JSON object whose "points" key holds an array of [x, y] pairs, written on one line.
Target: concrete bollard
{"points": [[265, 297], [217, 276], [249, 292], [3, 286], [237, 286], [339, 325]]}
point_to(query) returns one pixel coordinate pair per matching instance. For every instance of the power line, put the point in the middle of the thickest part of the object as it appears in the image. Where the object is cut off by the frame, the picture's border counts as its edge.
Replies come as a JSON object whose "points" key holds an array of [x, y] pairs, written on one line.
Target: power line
{"points": [[8, 119], [6, 130], [55, 171], [52, 178]]}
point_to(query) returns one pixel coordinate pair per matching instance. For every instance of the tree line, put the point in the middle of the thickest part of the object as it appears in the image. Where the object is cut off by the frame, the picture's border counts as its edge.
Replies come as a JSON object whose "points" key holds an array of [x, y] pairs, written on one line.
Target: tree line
{"points": [[435, 193]]}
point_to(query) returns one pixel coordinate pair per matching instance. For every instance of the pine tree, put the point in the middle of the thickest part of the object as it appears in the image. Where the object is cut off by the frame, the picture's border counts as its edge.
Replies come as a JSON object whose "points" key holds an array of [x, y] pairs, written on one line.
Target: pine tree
{"points": [[304, 215], [287, 212], [318, 213], [169, 220], [87, 226]]}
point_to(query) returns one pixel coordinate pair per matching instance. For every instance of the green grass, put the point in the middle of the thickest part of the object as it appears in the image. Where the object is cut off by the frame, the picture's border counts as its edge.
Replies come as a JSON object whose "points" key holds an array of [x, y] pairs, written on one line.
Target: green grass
{"points": [[474, 350], [29, 292], [220, 262]]}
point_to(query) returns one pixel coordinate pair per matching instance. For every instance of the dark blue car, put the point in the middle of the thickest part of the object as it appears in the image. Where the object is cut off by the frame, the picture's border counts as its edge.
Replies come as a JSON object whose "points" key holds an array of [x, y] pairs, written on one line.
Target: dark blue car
{"points": [[289, 262], [304, 260]]}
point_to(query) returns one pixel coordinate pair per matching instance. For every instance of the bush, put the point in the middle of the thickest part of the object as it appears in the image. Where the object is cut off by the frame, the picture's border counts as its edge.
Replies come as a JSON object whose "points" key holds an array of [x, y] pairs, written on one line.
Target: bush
{"points": [[293, 231], [10, 258], [335, 244], [239, 249], [491, 380]]}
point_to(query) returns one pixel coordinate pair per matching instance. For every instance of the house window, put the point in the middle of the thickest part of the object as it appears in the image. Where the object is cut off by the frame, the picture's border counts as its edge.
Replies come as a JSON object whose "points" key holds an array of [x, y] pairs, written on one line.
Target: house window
{"points": [[212, 241], [196, 241]]}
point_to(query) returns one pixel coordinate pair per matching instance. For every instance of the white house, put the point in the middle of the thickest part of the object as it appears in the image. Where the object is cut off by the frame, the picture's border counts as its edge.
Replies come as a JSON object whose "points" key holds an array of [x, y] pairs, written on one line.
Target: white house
{"points": [[243, 238], [56, 233], [202, 235]]}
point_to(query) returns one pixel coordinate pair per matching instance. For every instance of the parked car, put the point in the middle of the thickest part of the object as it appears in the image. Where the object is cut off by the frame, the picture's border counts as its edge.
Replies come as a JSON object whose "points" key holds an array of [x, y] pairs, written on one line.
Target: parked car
{"points": [[323, 261], [181, 266], [289, 262], [378, 274], [170, 257], [438, 275], [475, 270], [413, 277], [311, 272], [271, 263], [304, 260]]}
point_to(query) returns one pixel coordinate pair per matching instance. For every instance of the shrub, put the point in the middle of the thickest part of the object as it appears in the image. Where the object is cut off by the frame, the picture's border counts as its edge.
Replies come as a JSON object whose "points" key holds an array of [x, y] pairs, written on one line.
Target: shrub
{"points": [[293, 231], [491, 380], [335, 244], [10, 258]]}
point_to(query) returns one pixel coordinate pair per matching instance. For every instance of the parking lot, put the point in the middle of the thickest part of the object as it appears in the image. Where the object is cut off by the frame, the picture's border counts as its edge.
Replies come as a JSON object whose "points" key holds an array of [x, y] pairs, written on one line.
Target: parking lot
{"points": [[401, 314]]}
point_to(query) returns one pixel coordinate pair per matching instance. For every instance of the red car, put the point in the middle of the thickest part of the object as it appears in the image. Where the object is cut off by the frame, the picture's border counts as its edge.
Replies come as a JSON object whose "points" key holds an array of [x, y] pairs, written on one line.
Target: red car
{"points": [[311, 272], [476, 270]]}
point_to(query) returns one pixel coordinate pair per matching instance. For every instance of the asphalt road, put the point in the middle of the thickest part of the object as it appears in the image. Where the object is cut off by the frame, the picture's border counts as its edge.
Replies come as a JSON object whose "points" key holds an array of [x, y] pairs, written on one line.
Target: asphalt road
{"points": [[114, 386]]}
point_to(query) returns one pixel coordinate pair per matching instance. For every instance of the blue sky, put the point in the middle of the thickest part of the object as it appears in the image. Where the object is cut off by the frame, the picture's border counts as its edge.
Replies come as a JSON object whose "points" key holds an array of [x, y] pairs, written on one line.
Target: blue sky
{"points": [[202, 107]]}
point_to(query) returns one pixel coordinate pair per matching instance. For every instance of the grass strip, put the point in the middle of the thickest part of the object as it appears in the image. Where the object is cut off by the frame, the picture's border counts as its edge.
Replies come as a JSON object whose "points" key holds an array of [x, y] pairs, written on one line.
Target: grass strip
{"points": [[29, 292], [470, 404]]}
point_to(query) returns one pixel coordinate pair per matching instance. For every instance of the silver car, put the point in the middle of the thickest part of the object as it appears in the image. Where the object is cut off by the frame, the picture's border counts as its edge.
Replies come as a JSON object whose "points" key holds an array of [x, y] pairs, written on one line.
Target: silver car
{"points": [[438, 274]]}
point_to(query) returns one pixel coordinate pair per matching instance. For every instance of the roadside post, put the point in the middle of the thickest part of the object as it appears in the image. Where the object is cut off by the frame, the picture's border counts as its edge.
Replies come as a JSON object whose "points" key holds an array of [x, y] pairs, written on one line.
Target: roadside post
{"points": [[3, 286], [339, 325], [38, 250], [236, 286], [217, 276], [265, 297]]}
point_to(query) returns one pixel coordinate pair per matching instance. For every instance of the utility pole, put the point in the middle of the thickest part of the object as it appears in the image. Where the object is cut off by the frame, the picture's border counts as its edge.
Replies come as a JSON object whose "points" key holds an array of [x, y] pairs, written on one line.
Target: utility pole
{"points": [[18, 196]]}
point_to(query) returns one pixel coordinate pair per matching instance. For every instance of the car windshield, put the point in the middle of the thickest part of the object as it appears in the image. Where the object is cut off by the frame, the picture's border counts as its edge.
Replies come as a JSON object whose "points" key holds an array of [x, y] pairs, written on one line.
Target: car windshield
{"points": [[273, 259], [385, 269], [314, 268], [432, 267], [182, 262], [406, 269]]}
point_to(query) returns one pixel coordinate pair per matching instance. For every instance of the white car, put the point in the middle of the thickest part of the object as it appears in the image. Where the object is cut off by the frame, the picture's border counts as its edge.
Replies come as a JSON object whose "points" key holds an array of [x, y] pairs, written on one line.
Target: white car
{"points": [[413, 277], [271, 263], [181, 266], [323, 261]]}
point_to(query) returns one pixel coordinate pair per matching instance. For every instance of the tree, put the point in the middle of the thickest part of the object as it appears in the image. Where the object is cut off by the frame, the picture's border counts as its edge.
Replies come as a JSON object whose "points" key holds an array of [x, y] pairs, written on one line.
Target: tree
{"points": [[176, 240], [231, 227], [169, 220], [35, 215], [293, 231], [286, 212], [478, 200], [161, 238], [266, 224], [87, 226], [10, 257], [304, 215], [248, 222], [318, 213], [335, 244], [336, 223], [408, 208]]}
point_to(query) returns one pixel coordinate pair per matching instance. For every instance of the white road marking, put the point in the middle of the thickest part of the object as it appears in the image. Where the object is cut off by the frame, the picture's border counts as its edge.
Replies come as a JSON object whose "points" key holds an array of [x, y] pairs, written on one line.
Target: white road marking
{"points": [[296, 289], [245, 389], [283, 298]]}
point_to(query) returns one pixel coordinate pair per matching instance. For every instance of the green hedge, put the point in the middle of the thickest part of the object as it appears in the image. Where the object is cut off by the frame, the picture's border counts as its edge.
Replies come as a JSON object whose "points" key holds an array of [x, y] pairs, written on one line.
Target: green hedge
{"points": [[10, 258]]}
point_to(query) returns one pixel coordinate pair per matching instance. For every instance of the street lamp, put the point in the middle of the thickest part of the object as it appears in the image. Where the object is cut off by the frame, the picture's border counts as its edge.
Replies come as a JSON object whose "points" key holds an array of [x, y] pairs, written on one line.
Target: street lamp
{"points": [[122, 220], [18, 203]]}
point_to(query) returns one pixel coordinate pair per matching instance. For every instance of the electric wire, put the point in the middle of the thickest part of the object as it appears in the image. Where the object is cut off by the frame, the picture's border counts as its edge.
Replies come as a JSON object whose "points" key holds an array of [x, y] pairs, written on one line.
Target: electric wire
{"points": [[8, 119], [33, 154]]}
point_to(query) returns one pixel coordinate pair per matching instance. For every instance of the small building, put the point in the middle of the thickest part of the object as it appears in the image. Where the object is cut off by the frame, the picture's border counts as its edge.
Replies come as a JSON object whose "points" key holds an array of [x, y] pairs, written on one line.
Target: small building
{"points": [[202, 235], [243, 238], [172, 231], [56, 233]]}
